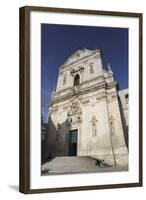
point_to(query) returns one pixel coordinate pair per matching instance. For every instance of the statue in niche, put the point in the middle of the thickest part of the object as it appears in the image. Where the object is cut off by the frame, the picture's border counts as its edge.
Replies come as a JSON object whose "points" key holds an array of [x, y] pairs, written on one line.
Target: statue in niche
{"points": [[112, 126], [78, 119], [94, 122], [91, 69], [69, 118], [57, 133], [64, 80]]}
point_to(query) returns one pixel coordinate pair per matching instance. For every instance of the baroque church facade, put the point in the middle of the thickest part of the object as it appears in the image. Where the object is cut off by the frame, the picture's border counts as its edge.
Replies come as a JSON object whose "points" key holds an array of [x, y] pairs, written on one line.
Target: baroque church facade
{"points": [[88, 116]]}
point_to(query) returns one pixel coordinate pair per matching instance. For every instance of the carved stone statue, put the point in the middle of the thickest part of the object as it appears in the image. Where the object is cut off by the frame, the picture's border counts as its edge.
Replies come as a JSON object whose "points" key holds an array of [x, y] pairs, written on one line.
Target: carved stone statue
{"points": [[93, 122], [112, 126]]}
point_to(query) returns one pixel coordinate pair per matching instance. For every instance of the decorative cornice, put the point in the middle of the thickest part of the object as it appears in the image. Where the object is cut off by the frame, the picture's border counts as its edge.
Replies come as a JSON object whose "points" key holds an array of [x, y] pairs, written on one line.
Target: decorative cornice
{"points": [[78, 92], [111, 85]]}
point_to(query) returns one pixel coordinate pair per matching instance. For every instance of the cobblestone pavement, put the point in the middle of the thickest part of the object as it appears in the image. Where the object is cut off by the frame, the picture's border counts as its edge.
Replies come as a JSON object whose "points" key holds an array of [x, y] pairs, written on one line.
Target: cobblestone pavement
{"points": [[76, 164]]}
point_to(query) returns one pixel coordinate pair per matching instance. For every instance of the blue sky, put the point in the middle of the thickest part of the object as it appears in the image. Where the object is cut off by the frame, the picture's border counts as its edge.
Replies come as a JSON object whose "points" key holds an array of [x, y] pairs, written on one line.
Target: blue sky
{"points": [[58, 42]]}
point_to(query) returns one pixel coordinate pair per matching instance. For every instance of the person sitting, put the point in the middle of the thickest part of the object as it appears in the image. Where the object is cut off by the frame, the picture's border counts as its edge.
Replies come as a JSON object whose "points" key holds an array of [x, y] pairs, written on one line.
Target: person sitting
{"points": [[105, 164], [97, 162], [102, 163]]}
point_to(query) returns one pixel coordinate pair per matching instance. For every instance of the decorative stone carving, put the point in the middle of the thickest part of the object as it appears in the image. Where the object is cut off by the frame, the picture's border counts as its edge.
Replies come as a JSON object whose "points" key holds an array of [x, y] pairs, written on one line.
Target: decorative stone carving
{"points": [[53, 92], [68, 121], [75, 109], [81, 69], [91, 69], [112, 126], [61, 72], [74, 113], [78, 54], [76, 89], [64, 80], [65, 107], [78, 119], [72, 72], [55, 109], [85, 101], [101, 96], [112, 96], [57, 132], [109, 69], [94, 122]]}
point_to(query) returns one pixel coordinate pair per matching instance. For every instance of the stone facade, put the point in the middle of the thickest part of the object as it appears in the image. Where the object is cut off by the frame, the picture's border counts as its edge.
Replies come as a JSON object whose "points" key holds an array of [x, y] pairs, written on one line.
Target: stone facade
{"points": [[124, 104], [85, 116]]}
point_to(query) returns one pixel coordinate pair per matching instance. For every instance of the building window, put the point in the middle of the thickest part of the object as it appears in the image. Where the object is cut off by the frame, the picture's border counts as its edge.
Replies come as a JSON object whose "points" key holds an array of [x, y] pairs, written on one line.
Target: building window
{"points": [[127, 98], [91, 69], [76, 80]]}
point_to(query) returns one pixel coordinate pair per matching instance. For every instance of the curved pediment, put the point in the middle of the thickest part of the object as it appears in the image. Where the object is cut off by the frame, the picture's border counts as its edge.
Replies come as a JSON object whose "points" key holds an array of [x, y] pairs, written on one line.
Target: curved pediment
{"points": [[79, 55]]}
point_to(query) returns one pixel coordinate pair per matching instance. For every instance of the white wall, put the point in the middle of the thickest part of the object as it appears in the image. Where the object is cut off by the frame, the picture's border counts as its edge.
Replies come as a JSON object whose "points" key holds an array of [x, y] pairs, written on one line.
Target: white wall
{"points": [[9, 61]]}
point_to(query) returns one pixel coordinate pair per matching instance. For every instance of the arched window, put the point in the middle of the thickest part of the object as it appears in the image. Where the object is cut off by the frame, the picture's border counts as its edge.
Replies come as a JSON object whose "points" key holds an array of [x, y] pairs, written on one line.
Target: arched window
{"points": [[76, 80]]}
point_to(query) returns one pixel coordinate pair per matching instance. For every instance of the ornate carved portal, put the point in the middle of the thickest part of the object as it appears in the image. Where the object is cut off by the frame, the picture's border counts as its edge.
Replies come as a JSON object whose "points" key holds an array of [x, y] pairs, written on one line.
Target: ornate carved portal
{"points": [[74, 115]]}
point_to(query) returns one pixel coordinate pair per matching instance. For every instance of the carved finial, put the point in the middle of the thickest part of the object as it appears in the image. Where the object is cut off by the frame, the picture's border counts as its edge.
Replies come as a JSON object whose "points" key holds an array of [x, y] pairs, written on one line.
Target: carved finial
{"points": [[109, 66], [53, 91]]}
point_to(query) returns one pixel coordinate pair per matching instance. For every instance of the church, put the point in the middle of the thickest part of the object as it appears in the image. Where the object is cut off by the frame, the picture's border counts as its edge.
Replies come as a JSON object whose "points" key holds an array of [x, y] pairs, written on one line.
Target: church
{"points": [[88, 114]]}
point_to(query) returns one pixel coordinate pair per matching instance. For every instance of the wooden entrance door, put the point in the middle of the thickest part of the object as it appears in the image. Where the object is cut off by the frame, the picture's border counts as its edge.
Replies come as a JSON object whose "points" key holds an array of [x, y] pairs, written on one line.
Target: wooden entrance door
{"points": [[73, 142]]}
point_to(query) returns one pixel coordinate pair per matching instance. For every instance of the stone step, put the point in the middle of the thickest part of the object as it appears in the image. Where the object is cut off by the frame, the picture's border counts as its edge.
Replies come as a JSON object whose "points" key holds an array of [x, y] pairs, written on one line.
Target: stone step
{"points": [[72, 162]]}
